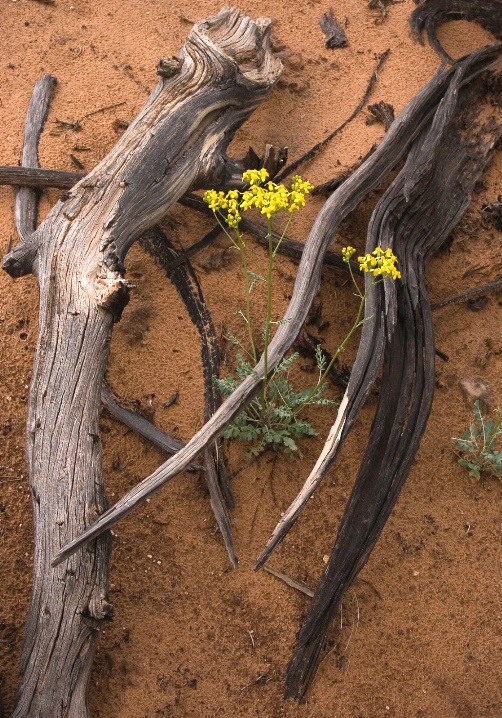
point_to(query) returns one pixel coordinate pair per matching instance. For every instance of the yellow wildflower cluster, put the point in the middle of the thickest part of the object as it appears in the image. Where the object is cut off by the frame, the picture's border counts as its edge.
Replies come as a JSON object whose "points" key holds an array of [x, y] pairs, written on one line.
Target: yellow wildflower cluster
{"points": [[228, 203], [380, 263], [255, 176], [347, 253], [268, 197]]}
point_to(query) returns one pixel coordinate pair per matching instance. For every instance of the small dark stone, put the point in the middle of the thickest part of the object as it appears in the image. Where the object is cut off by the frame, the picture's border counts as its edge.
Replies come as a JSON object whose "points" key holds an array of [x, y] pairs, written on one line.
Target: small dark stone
{"points": [[119, 125], [492, 213], [381, 112]]}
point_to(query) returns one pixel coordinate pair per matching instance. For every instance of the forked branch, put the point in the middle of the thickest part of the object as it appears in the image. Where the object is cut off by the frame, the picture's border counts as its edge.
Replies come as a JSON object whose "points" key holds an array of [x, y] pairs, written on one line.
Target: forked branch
{"points": [[176, 143]]}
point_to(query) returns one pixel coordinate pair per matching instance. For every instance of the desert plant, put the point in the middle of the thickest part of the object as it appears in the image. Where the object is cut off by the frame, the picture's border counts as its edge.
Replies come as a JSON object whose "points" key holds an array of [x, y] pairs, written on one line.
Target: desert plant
{"points": [[478, 447], [272, 419], [277, 423]]}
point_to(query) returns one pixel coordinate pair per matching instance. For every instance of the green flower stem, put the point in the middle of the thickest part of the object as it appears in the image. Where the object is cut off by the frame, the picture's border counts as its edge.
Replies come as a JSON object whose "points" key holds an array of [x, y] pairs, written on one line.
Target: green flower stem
{"points": [[342, 346], [239, 245], [272, 251], [242, 251], [356, 285], [268, 319], [282, 235]]}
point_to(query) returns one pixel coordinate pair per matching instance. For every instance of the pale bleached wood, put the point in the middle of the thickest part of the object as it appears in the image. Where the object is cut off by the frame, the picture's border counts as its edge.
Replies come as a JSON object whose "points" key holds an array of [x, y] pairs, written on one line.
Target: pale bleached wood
{"points": [[346, 198], [176, 143]]}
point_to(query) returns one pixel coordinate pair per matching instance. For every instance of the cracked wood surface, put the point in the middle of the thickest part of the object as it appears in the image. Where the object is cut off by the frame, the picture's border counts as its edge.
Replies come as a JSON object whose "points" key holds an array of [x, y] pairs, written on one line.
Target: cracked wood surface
{"points": [[405, 128], [176, 143]]}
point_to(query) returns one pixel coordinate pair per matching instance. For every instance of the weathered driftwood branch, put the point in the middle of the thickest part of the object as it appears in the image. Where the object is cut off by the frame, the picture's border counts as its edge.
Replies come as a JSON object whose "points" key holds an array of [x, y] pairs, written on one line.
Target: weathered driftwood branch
{"points": [[177, 142], [414, 217], [27, 199], [406, 127]]}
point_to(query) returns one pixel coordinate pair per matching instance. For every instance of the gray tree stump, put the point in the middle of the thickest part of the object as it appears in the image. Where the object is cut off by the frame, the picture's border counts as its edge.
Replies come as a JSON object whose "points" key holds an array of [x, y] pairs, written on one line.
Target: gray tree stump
{"points": [[176, 143]]}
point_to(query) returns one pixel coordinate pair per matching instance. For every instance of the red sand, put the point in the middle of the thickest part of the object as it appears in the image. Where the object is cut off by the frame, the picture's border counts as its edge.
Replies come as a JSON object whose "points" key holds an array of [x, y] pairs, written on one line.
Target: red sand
{"points": [[420, 631]]}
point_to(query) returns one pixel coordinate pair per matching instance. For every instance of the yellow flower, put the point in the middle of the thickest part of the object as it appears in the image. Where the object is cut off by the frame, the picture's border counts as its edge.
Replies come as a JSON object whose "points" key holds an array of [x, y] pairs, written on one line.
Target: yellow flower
{"points": [[255, 176], [347, 253], [302, 186], [379, 263], [269, 199]]}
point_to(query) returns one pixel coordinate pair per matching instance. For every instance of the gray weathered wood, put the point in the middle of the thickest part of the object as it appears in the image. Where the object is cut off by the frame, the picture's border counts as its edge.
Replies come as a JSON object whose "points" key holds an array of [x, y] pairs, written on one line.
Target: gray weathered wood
{"points": [[176, 143], [406, 127], [27, 199]]}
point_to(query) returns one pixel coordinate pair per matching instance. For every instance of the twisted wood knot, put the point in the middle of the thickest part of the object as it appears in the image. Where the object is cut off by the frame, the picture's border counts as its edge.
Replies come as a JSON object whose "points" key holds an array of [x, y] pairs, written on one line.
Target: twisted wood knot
{"points": [[168, 67]]}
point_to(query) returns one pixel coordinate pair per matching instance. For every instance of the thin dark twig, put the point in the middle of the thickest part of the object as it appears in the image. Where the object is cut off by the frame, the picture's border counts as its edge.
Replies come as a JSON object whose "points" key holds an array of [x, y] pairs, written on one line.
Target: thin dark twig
{"points": [[473, 292], [318, 147], [290, 581], [102, 109], [143, 427]]}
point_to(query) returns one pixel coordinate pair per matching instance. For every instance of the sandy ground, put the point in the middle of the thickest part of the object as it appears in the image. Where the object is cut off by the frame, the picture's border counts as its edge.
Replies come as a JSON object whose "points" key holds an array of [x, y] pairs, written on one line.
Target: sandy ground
{"points": [[420, 631]]}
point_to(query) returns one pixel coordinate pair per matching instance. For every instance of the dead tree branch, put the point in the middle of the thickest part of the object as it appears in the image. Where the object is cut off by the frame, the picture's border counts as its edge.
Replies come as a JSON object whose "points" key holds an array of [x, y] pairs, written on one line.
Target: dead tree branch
{"points": [[396, 142], [176, 143]]}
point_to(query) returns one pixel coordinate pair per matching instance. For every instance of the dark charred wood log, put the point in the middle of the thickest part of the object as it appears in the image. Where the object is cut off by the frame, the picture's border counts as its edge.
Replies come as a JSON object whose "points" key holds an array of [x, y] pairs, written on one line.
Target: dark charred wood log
{"points": [[176, 143], [373, 338], [382, 6], [429, 15], [404, 130], [183, 277]]}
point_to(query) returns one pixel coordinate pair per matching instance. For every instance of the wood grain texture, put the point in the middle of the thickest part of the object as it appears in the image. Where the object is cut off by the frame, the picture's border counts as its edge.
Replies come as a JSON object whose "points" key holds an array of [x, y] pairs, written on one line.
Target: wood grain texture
{"points": [[27, 199], [414, 217], [406, 127], [177, 142]]}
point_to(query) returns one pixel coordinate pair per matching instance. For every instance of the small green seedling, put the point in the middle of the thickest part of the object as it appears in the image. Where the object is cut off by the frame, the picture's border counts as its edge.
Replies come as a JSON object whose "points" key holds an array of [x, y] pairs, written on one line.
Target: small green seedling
{"points": [[478, 448]]}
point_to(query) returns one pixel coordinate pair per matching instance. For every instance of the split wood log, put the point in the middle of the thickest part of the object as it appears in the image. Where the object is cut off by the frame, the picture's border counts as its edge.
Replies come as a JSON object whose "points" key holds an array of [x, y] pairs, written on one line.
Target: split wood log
{"points": [[431, 14], [176, 143]]}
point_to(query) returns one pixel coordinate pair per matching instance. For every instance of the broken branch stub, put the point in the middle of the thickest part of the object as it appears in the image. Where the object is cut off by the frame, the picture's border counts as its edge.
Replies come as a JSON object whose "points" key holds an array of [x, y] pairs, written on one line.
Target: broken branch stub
{"points": [[176, 143]]}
